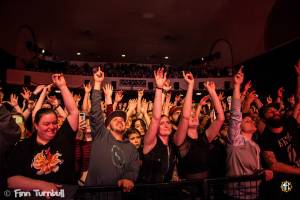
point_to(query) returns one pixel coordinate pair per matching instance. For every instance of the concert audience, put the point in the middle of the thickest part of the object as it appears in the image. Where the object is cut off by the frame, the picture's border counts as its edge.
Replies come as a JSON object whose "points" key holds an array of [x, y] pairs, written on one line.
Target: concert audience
{"points": [[120, 139]]}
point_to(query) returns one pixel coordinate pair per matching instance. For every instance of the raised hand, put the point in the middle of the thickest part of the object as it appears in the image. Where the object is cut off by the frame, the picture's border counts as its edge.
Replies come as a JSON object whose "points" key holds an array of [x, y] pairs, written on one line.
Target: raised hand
{"points": [[87, 88], [221, 96], [118, 96], [38, 89], [132, 103], [167, 85], [13, 100], [210, 85], [59, 80], [108, 89], [160, 77], [26, 93], [238, 77], [251, 96], [204, 100], [53, 101], [48, 88], [269, 100], [99, 76], [280, 92], [188, 77], [292, 100], [248, 85]]}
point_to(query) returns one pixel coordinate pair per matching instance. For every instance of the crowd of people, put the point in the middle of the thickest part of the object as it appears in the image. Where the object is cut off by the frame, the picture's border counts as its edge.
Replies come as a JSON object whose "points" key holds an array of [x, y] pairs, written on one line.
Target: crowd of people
{"points": [[97, 140]]}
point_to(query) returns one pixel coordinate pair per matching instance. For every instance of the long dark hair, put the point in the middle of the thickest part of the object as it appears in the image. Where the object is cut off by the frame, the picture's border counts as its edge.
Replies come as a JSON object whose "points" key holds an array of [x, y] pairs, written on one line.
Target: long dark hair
{"points": [[143, 124]]}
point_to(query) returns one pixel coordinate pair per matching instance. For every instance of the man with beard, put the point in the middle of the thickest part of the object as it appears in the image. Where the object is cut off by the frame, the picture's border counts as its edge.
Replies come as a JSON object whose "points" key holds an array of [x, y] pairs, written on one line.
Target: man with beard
{"points": [[114, 160], [280, 144]]}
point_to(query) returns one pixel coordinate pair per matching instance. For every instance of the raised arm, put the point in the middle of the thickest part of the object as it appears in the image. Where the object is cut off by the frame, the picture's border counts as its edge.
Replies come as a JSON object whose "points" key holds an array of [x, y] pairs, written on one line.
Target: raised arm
{"points": [[96, 117], [131, 109], [55, 105], [139, 101], [144, 110], [13, 101], [183, 125], [202, 102], [86, 104], [41, 99], [30, 107], [248, 101], [150, 137], [108, 90], [214, 128], [234, 131], [118, 99], [248, 85], [71, 106]]}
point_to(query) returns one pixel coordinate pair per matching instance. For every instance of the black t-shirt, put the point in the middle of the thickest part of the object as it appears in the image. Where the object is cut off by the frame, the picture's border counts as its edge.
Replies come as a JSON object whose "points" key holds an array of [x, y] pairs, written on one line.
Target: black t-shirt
{"points": [[196, 159], [158, 164], [53, 162], [285, 145]]}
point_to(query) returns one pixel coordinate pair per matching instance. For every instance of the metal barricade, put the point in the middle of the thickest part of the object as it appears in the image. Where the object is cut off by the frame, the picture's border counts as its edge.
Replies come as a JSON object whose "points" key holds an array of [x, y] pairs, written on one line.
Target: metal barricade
{"points": [[243, 187]]}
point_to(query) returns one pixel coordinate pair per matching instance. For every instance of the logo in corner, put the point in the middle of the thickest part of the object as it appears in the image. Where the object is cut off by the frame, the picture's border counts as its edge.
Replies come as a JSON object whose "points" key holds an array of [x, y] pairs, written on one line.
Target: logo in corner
{"points": [[286, 186]]}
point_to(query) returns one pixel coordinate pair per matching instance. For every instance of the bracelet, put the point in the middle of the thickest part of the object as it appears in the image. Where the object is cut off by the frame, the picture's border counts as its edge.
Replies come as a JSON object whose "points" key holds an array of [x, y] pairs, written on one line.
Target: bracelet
{"points": [[163, 90]]}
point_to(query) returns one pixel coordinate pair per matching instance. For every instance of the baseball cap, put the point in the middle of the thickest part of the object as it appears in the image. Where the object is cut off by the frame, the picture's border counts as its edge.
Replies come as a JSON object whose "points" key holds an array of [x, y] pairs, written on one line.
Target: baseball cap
{"points": [[117, 113]]}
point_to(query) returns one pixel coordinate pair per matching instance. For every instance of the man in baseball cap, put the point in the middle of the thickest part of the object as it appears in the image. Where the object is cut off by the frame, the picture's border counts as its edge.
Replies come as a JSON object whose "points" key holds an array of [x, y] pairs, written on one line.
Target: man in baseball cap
{"points": [[114, 160]]}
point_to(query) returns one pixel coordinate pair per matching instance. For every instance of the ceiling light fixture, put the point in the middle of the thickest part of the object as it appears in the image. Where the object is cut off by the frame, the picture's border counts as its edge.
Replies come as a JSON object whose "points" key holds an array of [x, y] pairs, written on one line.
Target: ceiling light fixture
{"points": [[166, 57], [123, 55], [78, 53]]}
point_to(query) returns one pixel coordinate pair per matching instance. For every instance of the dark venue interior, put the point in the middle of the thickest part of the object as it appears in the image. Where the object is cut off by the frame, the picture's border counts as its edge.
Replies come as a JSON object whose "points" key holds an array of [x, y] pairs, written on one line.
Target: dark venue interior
{"points": [[130, 99]]}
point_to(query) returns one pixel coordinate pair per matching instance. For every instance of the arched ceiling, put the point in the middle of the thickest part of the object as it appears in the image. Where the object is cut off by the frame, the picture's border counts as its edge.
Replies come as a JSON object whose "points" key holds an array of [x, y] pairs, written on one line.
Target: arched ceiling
{"points": [[146, 31]]}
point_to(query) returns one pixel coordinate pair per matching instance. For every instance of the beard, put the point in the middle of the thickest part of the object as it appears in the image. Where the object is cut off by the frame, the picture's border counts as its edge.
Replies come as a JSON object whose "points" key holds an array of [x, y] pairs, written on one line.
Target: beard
{"points": [[275, 122]]}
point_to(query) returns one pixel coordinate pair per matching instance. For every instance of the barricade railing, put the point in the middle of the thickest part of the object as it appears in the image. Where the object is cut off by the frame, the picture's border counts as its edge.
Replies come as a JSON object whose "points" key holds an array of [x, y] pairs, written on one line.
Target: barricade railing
{"points": [[242, 187]]}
